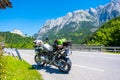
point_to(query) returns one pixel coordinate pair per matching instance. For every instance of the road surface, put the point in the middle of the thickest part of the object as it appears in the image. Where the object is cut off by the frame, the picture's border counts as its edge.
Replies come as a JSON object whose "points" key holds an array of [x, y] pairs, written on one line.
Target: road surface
{"points": [[85, 66]]}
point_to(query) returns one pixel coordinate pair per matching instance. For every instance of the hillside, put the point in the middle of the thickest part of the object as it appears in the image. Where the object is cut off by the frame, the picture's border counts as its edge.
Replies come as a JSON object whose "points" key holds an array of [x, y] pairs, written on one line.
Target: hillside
{"points": [[15, 40], [108, 34]]}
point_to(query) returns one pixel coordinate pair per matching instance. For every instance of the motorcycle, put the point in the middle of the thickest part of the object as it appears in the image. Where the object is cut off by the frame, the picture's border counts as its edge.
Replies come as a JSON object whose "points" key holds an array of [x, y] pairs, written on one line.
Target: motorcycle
{"points": [[46, 55]]}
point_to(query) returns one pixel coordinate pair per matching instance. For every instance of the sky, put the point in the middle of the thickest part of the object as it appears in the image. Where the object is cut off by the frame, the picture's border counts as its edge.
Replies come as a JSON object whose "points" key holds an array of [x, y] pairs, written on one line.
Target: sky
{"points": [[29, 15]]}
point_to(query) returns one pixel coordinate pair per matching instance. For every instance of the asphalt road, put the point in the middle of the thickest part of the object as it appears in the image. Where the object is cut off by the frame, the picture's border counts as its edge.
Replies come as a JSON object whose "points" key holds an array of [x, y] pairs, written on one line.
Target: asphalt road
{"points": [[85, 66]]}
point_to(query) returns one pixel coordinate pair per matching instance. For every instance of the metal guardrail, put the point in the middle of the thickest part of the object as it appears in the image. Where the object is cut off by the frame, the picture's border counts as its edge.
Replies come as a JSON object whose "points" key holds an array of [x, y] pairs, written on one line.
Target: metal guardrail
{"points": [[95, 48], [13, 52]]}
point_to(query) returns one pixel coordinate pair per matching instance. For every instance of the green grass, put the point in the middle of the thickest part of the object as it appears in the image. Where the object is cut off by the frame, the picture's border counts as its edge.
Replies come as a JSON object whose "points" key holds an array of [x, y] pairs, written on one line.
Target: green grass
{"points": [[2, 65], [14, 69]]}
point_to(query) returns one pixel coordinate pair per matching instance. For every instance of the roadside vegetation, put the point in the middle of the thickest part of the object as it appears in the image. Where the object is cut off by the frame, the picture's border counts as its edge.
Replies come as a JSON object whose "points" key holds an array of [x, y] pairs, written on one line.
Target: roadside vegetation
{"points": [[13, 69], [108, 34]]}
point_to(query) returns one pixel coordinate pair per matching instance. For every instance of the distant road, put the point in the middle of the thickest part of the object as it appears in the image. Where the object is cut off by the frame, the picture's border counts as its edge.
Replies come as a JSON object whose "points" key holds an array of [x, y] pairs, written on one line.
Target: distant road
{"points": [[85, 66]]}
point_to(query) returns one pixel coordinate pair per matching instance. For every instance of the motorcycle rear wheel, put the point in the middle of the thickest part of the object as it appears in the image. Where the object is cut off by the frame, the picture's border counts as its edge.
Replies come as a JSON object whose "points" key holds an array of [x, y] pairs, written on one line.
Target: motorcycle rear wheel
{"points": [[39, 61]]}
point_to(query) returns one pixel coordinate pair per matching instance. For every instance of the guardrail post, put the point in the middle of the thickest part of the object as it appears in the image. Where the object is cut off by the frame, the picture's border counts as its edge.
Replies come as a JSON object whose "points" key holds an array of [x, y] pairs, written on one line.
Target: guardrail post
{"points": [[115, 50], [101, 48], [18, 54]]}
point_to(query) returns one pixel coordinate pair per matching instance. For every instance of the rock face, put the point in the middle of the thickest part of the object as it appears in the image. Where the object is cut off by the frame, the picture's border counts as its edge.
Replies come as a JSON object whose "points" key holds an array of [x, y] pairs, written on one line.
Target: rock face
{"points": [[83, 22]]}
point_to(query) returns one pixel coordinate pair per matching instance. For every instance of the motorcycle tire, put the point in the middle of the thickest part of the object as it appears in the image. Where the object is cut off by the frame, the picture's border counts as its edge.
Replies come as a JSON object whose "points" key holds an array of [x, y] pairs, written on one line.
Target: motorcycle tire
{"points": [[39, 61], [65, 65]]}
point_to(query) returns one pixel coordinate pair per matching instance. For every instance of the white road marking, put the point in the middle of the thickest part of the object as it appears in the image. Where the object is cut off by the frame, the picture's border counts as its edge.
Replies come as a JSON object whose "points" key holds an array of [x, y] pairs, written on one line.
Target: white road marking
{"points": [[91, 68]]}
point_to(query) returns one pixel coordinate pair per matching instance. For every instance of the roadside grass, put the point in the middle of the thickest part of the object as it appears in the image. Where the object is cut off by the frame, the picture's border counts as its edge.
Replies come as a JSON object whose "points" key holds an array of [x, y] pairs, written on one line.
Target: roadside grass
{"points": [[13, 69], [2, 65]]}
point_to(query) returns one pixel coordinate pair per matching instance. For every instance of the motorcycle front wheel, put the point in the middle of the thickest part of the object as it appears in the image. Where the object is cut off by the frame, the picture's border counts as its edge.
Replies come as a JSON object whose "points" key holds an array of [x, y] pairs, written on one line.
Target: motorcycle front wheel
{"points": [[65, 65], [39, 61]]}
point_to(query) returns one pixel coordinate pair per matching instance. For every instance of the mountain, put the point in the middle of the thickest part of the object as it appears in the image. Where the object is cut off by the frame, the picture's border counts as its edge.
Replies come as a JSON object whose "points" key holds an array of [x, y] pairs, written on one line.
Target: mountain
{"points": [[108, 34], [81, 24]]}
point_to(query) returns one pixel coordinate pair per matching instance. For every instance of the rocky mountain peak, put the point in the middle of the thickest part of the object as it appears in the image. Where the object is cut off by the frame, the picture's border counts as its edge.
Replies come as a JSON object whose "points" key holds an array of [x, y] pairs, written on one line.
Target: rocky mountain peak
{"points": [[75, 21]]}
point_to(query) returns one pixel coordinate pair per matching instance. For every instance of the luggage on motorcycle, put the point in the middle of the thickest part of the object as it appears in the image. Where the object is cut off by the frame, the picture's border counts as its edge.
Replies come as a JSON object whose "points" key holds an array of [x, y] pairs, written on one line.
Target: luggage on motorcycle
{"points": [[67, 43], [47, 48]]}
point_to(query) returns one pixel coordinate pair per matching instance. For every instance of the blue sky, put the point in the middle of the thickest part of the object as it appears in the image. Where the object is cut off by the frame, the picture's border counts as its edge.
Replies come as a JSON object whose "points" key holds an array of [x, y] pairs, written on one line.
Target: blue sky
{"points": [[29, 15]]}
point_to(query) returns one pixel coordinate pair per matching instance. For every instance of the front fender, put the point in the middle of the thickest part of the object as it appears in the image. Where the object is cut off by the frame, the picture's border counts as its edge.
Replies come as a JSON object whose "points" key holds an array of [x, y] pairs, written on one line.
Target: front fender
{"points": [[66, 59]]}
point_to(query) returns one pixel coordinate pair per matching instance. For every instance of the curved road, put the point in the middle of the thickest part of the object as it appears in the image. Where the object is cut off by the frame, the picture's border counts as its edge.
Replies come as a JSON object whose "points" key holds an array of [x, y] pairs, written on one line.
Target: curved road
{"points": [[85, 66]]}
